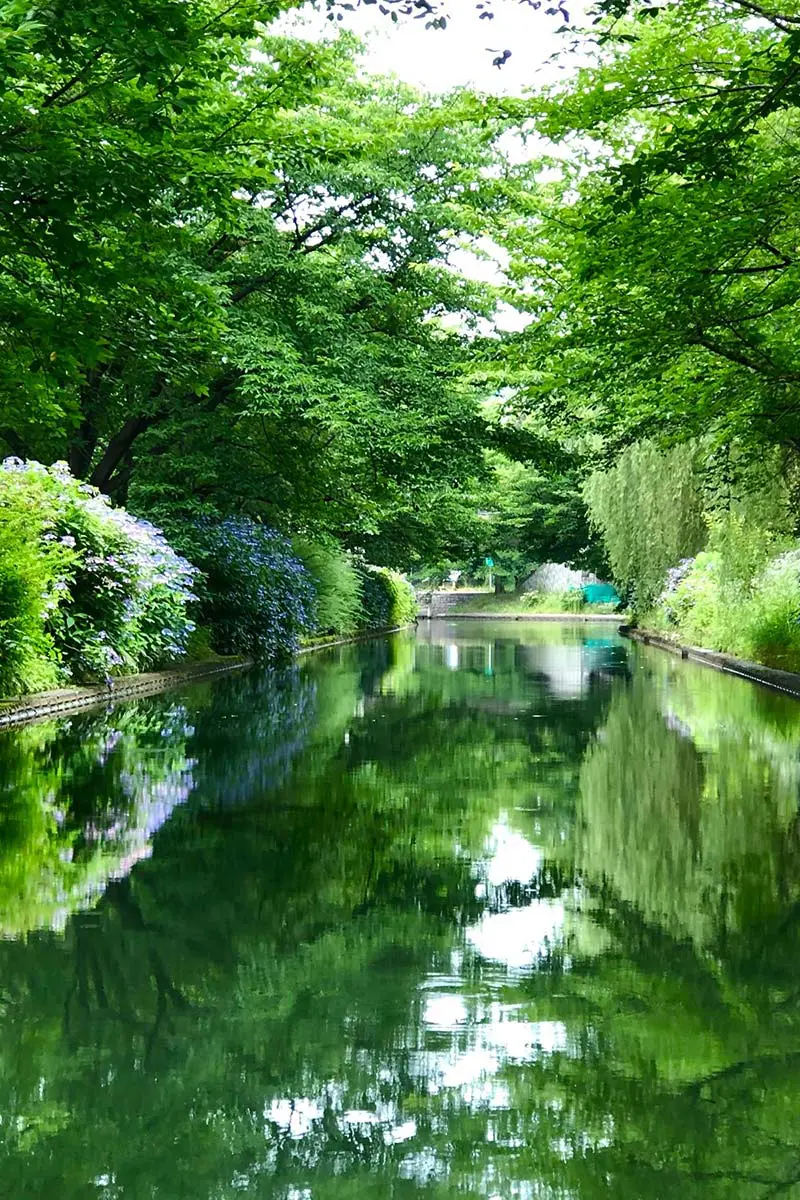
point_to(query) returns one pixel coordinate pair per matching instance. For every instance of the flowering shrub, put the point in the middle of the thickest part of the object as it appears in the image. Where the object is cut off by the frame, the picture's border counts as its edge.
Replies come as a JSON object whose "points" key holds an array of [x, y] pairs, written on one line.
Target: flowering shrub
{"points": [[86, 590], [747, 605], [258, 598], [675, 577]]}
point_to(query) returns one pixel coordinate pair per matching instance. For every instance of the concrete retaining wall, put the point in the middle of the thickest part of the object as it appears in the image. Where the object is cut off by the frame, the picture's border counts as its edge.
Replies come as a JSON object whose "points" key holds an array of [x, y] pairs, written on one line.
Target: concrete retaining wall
{"points": [[19, 710], [781, 681]]}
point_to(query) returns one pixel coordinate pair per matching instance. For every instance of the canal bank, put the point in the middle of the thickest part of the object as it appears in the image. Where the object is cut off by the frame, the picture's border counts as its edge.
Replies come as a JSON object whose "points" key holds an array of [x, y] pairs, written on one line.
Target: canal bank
{"points": [[782, 681], [19, 710]]}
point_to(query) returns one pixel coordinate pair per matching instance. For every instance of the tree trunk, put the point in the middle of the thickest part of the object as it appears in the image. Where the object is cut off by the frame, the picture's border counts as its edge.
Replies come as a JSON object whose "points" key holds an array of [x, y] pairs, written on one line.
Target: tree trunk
{"points": [[116, 450], [81, 448], [14, 442]]}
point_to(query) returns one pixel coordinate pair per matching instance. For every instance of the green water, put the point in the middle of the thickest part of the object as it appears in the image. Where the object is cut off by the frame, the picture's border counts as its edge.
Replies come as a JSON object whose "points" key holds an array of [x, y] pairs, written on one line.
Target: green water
{"points": [[501, 911]]}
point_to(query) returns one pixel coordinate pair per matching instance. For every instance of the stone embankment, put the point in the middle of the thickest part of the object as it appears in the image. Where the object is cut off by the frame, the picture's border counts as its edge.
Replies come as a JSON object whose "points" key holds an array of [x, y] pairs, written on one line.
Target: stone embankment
{"points": [[441, 605], [21, 709], [781, 681]]}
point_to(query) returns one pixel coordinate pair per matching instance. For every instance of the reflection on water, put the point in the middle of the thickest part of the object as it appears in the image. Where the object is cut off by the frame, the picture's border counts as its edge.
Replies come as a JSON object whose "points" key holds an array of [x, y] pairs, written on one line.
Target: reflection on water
{"points": [[502, 911]]}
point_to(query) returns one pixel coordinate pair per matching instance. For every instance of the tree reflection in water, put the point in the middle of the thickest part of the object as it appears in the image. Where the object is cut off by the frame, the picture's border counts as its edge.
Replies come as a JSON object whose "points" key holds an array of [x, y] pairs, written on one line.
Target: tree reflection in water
{"points": [[517, 919]]}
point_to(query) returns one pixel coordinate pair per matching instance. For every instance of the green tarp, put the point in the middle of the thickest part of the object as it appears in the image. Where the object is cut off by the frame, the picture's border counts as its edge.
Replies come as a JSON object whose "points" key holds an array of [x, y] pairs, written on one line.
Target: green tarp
{"points": [[600, 593]]}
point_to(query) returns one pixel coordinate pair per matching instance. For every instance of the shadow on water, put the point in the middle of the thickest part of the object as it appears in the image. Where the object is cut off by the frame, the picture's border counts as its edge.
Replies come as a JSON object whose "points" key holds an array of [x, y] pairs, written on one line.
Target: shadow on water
{"points": [[490, 912]]}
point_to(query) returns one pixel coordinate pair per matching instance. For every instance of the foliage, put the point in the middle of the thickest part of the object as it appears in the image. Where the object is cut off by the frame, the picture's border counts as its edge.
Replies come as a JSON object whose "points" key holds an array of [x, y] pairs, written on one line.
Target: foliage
{"points": [[528, 508], [535, 514], [666, 300], [657, 508], [569, 601], [739, 596], [388, 599], [257, 597], [87, 589], [236, 299], [30, 571], [771, 631], [648, 507], [337, 586], [656, 257]]}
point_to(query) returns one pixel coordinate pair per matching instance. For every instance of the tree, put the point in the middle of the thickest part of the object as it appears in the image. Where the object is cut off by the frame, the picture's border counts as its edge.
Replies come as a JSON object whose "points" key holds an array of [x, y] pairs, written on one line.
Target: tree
{"points": [[660, 265], [534, 514], [264, 292]]}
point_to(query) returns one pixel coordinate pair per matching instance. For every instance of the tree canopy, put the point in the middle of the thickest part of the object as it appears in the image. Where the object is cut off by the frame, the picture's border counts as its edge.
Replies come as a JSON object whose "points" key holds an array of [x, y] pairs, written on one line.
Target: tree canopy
{"points": [[226, 281], [659, 263], [230, 272]]}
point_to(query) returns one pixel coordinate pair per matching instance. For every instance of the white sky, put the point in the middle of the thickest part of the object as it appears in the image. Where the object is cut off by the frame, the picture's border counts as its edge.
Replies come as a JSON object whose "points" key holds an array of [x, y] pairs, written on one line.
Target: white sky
{"points": [[462, 54]]}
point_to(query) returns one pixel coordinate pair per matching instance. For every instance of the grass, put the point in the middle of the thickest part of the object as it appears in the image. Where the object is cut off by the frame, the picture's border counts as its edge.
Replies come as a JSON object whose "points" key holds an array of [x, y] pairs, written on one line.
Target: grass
{"points": [[530, 603]]}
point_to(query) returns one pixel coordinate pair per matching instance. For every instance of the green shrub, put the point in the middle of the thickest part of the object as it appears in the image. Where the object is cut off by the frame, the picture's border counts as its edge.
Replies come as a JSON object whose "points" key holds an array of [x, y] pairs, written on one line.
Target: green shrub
{"points": [[86, 590], [771, 626], [337, 584], [739, 596], [570, 601], [388, 599], [31, 570], [377, 597]]}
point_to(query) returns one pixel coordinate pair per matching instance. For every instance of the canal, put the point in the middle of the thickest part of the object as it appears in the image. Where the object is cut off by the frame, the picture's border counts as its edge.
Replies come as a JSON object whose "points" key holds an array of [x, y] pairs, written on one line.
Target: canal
{"points": [[496, 910]]}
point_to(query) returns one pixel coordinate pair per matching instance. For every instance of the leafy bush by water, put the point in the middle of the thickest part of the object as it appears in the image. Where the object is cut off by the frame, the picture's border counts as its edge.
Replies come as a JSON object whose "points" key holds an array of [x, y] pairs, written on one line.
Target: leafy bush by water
{"points": [[571, 601], [337, 586], [772, 625], [258, 598], [388, 599], [86, 590], [741, 596], [30, 570]]}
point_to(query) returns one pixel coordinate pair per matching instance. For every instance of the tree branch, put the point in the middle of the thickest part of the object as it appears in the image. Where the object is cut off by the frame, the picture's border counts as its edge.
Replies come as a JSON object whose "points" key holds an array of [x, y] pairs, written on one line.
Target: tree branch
{"points": [[117, 448]]}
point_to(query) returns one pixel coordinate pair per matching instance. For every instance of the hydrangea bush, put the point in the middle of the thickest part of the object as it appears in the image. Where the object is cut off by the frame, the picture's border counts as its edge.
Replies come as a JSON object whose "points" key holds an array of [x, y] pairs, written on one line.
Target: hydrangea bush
{"points": [[86, 590], [674, 579], [752, 614], [257, 598]]}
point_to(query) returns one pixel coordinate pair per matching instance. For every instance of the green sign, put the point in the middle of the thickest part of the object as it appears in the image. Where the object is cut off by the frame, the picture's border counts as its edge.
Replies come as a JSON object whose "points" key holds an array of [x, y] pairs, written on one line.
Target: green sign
{"points": [[489, 562]]}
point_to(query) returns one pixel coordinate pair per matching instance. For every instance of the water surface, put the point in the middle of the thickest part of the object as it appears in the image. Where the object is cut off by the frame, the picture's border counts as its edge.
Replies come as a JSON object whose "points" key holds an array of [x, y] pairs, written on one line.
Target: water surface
{"points": [[506, 910]]}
